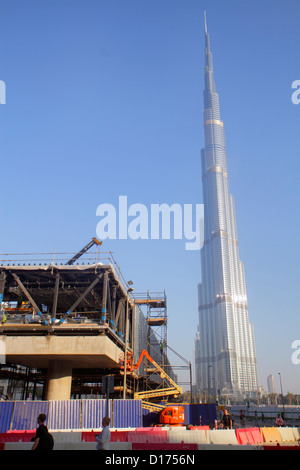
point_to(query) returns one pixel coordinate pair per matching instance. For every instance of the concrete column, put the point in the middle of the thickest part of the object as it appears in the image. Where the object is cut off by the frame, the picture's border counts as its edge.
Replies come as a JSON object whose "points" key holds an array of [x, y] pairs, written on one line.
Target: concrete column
{"points": [[59, 380]]}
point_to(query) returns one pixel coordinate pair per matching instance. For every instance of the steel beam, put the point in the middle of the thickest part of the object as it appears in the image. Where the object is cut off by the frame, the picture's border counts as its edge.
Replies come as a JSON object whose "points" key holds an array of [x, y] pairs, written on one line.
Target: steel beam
{"points": [[85, 293], [55, 297], [104, 297], [25, 291]]}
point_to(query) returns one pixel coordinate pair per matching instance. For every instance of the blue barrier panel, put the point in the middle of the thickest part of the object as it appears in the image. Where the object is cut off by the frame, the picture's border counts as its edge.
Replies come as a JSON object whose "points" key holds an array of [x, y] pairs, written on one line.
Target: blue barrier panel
{"points": [[93, 411], [70, 414], [64, 414], [193, 412], [127, 413], [26, 413], [6, 412], [150, 418]]}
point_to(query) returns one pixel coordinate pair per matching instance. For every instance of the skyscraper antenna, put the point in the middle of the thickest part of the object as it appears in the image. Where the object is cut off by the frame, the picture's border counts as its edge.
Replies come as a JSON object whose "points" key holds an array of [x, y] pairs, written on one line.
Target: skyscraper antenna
{"points": [[205, 22]]}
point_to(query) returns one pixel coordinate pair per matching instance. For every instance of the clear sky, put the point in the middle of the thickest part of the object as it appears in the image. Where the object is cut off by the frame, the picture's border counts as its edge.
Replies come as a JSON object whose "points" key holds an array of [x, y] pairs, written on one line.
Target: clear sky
{"points": [[105, 98]]}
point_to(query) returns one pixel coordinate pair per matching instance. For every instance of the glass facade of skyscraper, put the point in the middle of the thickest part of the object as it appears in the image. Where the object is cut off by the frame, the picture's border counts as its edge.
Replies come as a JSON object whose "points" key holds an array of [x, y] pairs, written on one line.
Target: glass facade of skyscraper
{"points": [[225, 359]]}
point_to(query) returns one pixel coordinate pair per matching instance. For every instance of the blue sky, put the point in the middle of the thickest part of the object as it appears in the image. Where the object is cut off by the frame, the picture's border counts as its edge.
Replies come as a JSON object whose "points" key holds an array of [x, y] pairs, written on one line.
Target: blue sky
{"points": [[105, 98]]}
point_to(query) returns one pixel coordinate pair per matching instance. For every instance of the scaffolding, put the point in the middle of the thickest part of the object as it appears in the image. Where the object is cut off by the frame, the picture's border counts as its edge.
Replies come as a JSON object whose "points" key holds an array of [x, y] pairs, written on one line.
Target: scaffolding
{"points": [[157, 319]]}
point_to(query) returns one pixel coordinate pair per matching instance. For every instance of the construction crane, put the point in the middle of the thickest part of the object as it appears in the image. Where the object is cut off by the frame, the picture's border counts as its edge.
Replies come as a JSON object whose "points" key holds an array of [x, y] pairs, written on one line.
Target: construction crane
{"points": [[93, 242], [172, 390]]}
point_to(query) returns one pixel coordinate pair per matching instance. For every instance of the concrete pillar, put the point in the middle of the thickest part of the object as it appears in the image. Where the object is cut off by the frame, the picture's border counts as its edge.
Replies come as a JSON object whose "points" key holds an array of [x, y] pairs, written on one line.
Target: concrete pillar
{"points": [[59, 380]]}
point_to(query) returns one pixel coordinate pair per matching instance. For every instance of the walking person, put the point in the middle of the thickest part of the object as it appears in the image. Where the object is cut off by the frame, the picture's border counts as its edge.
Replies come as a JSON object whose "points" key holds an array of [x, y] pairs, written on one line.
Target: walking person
{"points": [[279, 421], [226, 420], [242, 418], [103, 439], [43, 440]]}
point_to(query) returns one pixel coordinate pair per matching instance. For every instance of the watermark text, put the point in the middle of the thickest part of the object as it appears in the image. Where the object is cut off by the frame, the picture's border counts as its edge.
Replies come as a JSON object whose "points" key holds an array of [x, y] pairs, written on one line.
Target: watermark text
{"points": [[2, 92], [162, 221], [296, 353], [296, 94]]}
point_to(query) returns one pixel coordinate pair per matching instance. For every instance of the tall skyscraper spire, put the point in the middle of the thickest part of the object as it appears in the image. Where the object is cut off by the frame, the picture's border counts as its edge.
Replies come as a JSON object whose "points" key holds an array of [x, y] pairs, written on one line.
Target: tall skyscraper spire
{"points": [[224, 350]]}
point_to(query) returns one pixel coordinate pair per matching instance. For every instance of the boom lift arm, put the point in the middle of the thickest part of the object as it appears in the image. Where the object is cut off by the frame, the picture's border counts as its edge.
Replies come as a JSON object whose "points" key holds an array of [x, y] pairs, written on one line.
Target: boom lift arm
{"points": [[173, 389]]}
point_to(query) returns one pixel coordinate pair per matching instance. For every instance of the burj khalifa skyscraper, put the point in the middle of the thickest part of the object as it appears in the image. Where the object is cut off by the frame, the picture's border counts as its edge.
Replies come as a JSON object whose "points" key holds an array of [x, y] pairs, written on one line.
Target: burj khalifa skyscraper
{"points": [[225, 358]]}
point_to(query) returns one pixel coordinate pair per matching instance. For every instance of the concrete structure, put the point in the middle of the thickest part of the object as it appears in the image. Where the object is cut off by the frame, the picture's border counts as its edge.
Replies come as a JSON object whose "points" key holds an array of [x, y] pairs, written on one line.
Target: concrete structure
{"points": [[225, 359], [61, 318], [60, 350]]}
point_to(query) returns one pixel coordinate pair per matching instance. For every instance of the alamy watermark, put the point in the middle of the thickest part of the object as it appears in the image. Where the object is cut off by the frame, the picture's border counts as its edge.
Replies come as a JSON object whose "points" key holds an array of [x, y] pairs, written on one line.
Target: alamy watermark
{"points": [[2, 92], [161, 221], [296, 94], [296, 353]]}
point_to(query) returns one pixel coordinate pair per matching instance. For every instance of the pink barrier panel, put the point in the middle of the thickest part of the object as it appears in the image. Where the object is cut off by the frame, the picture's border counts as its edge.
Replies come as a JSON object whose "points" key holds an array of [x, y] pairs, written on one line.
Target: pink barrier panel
{"points": [[242, 436], [248, 436], [16, 436], [159, 436], [163, 446], [90, 436], [120, 436], [199, 428], [256, 435], [150, 429]]}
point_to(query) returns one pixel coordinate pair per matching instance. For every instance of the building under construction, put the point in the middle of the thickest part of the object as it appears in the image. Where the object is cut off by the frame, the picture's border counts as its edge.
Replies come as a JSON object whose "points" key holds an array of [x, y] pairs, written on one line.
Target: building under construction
{"points": [[72, 328]]}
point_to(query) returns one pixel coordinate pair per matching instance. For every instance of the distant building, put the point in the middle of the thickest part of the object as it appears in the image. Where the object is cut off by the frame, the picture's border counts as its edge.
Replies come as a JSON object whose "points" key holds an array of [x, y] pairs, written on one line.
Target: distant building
{"points": [[225, 358], [271, 384]]}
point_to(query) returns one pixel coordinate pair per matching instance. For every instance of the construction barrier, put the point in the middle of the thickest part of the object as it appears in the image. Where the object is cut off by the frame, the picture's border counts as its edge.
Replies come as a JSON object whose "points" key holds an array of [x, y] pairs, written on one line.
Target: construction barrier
{"points": [[248, 436], [286, 434], [154, 435], [223, 436], [296, 432], [165, 446], [16, 436], [256, 435], [271, 434], [159, 438], [188, 437]]}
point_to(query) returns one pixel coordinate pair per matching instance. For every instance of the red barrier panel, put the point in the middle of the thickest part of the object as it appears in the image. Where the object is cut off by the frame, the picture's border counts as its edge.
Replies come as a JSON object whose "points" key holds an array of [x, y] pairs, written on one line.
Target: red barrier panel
{"points": [[242, 436], [159, 436], [89, 436], [120, 436], [2, 445], [199, 428], [162, 446], [251, 437], [115, 436], [256, 435], [16, 436], [248, 436]]}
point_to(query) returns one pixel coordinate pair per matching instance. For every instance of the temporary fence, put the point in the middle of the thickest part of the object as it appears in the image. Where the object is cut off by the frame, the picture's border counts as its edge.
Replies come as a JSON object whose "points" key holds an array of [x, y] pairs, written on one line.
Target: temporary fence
{"points": [[75, 423], [88, 414], [177, 438], [70, 414]]}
